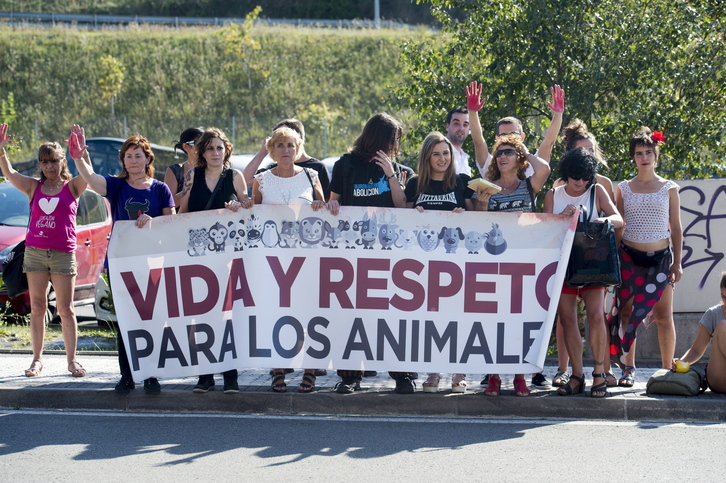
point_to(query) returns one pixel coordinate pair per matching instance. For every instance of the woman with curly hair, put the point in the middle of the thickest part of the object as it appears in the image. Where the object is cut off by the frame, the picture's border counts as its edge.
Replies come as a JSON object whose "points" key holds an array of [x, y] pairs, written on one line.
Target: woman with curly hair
{"points": [[213, 185], [650, 256], [578, 169], [508, 171]]}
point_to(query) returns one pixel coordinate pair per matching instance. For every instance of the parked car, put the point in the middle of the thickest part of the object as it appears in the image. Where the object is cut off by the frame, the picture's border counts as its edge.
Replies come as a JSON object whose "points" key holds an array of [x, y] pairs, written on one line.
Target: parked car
{"points": [[93, 227]]}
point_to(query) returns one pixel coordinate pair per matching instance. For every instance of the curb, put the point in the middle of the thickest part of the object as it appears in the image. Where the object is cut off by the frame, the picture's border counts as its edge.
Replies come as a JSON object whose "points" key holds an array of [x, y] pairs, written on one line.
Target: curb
{"points": [[260, 400]]}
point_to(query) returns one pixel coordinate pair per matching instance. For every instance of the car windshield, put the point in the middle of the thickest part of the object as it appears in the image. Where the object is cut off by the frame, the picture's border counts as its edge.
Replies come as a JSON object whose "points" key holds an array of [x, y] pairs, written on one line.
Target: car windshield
{"points": [[14, 207]]}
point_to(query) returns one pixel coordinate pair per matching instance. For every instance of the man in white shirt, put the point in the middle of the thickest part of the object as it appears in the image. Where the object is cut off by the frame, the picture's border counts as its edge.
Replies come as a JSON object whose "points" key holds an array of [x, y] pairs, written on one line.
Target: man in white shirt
{"points": [[457, 130]]}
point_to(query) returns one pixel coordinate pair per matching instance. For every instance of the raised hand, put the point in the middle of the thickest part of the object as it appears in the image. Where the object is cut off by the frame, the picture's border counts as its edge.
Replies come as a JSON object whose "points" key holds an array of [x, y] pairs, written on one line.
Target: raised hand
{"points": [[4, 136], [474, 102], [77, 142], [558, 99], [80, 132], [75, 146]]}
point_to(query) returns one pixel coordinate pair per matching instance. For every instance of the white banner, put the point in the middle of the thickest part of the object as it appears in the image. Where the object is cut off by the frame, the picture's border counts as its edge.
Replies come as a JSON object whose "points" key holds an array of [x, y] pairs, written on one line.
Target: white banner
{"points": [[373, 288]]}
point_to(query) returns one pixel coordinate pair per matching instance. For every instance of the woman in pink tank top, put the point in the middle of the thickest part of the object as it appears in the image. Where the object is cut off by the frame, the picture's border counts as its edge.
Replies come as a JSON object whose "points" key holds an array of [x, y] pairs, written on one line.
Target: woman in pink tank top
{"points": [[50, 245]]}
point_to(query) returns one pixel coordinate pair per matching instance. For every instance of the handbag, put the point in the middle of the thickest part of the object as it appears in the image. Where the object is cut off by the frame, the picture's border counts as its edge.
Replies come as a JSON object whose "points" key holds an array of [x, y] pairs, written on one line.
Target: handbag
{"points": [[671, 383], [16, 282], [594, 255]]}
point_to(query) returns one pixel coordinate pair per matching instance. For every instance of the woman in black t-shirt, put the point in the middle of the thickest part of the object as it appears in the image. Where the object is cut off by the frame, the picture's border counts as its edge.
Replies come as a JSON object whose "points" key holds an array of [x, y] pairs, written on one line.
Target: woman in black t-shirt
{"points": [[438, 187]]}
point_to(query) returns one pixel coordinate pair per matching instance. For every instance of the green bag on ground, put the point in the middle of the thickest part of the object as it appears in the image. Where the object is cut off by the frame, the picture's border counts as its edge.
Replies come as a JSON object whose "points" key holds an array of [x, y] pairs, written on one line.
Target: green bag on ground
{"points": [[668, 382]]}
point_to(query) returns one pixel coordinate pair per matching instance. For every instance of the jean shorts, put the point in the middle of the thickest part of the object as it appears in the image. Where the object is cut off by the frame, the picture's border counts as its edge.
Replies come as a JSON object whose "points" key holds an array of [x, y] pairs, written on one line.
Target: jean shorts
{"points": [[49, 261]]}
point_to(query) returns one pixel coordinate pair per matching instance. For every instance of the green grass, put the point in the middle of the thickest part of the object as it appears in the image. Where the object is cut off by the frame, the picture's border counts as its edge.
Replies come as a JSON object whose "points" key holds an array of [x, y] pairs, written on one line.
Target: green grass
{"points": [[179, 78], [15, 334]]}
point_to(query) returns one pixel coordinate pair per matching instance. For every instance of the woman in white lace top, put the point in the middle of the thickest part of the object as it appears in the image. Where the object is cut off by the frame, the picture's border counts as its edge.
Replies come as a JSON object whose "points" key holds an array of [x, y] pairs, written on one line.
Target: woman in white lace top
{"points": [[650, 256], [288, 184]]}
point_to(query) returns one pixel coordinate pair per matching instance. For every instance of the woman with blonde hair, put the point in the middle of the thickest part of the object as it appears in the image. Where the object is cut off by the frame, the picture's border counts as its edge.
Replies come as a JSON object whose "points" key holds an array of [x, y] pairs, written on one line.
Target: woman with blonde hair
{"points": [[438, 187]]}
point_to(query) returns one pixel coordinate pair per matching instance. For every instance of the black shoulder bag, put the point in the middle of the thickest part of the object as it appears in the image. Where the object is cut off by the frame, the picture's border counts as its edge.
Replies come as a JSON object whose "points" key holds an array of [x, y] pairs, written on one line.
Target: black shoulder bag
{"points": [[594, 256]]}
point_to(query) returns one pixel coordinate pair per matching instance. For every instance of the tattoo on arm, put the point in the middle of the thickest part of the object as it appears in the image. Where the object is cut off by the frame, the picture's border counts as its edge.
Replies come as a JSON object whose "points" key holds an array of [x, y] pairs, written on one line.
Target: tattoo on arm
{"points": [[187, 183]]}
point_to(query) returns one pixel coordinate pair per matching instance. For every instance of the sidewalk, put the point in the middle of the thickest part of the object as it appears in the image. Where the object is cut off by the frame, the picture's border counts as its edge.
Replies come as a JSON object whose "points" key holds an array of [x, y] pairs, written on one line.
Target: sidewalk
{"points": [[56, 389]]}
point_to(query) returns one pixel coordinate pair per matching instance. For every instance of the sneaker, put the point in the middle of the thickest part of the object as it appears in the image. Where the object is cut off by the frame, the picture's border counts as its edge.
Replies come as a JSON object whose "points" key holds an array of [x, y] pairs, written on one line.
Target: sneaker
{"points": [[230, 382], [405, 385], [124, 385], [348, 385], [205, 384], [539, 380], [152, 386]]}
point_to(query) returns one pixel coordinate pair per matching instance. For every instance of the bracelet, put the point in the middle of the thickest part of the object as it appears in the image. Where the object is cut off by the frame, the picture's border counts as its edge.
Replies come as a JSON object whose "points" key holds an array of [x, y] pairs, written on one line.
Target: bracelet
{"points": [[389, 177]]}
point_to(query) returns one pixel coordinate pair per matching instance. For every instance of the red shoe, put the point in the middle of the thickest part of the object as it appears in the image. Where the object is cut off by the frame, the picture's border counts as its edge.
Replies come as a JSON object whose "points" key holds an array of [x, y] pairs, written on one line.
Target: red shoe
{"points": [[493, 387], [520, 387]]}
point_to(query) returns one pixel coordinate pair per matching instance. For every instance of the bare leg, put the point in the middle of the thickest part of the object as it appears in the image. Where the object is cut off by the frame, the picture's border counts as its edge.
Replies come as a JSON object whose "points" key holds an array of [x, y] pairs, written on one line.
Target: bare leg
{"points": [[663, 315], [717, 361], [38, 285], [597, 333], [563, 357], [63, 286], [567, 310]]}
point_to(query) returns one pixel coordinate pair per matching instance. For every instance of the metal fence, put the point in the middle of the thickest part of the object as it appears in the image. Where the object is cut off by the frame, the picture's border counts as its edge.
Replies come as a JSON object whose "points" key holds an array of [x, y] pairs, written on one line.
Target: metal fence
{"points": [[98, 21]]}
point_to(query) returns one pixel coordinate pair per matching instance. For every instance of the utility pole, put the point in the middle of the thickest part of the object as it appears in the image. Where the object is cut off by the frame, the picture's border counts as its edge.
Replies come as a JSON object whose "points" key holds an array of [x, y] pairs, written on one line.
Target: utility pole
{"points": [[377, 13]]}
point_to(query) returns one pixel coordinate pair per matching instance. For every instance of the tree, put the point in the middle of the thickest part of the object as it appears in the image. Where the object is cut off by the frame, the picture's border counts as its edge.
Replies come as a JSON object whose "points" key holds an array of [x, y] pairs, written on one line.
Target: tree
{"points": [[623, 63], [239, 42], [111, 80]]}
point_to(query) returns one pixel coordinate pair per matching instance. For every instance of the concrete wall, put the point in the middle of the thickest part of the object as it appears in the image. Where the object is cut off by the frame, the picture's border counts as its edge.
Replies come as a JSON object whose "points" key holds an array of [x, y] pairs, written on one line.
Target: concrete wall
{"points": [[703, 215]]}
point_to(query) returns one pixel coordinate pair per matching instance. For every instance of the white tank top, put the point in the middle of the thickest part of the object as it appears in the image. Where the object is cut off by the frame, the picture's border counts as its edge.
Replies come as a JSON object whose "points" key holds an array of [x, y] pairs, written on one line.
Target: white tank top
{"points": [[646, 215], [562, 199], [297, 190]]}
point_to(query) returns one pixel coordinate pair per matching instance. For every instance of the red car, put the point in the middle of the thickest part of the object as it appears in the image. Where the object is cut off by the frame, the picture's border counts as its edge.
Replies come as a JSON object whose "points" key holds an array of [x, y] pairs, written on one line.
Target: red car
{"points": [[93, 226]]}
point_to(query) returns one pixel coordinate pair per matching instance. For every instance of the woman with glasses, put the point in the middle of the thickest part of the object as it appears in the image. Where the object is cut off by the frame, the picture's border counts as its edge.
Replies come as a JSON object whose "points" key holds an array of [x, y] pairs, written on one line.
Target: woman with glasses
{"points": [[174, 176], [508, 171], [50, 244], [578, 170]]}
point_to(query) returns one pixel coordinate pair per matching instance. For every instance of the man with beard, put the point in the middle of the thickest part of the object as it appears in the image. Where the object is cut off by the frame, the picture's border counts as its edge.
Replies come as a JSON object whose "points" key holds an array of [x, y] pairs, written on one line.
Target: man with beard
{"points": [[457, 130]]}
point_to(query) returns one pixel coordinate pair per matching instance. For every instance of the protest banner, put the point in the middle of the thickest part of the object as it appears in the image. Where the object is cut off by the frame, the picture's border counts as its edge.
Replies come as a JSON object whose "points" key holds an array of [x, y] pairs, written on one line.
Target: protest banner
{"points": [[373, 288]]}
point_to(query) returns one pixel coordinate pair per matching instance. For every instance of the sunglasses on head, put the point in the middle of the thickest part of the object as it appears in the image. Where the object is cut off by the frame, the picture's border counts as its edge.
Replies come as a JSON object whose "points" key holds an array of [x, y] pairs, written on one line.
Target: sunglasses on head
{"points": [[505, 152]]}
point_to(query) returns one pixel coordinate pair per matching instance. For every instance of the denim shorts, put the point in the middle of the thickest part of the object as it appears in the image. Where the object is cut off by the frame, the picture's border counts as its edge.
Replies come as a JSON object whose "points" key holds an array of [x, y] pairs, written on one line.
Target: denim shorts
{"points": [[49, 261]]}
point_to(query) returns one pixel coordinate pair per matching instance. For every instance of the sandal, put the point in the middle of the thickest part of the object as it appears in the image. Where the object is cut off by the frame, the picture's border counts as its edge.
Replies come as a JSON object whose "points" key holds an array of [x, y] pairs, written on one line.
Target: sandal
{"points": [[520, 387], [567, 390], [561, 379], [628, 379], [308, 382], [493, 386], [432, 383], [458, 384], [78, 370], [599, 390], [610, 379], [278, 381], [33, 371]]}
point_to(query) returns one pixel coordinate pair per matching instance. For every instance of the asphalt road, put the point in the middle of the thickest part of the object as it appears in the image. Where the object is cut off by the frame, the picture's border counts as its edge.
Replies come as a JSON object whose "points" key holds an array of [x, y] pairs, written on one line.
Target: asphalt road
{"points": [[56, 446]]}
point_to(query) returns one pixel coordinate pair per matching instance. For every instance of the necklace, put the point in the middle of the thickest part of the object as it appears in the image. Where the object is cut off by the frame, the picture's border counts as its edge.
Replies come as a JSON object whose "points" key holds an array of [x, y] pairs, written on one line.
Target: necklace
{"points": [[511, 187], [57, 186]]}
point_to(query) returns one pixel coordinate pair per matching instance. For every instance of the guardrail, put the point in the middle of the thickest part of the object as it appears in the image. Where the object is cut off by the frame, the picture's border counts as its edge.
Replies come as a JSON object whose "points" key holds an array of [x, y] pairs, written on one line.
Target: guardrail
{"points": [[97, 21]]}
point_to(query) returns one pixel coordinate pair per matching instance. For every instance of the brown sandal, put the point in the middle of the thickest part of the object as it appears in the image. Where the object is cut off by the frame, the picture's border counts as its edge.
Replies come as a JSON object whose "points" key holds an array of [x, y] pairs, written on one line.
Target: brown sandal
{"points": [[33, 371], [78, 370]]}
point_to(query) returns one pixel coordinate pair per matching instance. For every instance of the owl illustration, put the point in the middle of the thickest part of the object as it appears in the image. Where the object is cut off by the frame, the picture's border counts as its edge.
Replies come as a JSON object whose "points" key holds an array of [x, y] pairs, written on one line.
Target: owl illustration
{"points": [[270, 235], [428, 239]]}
